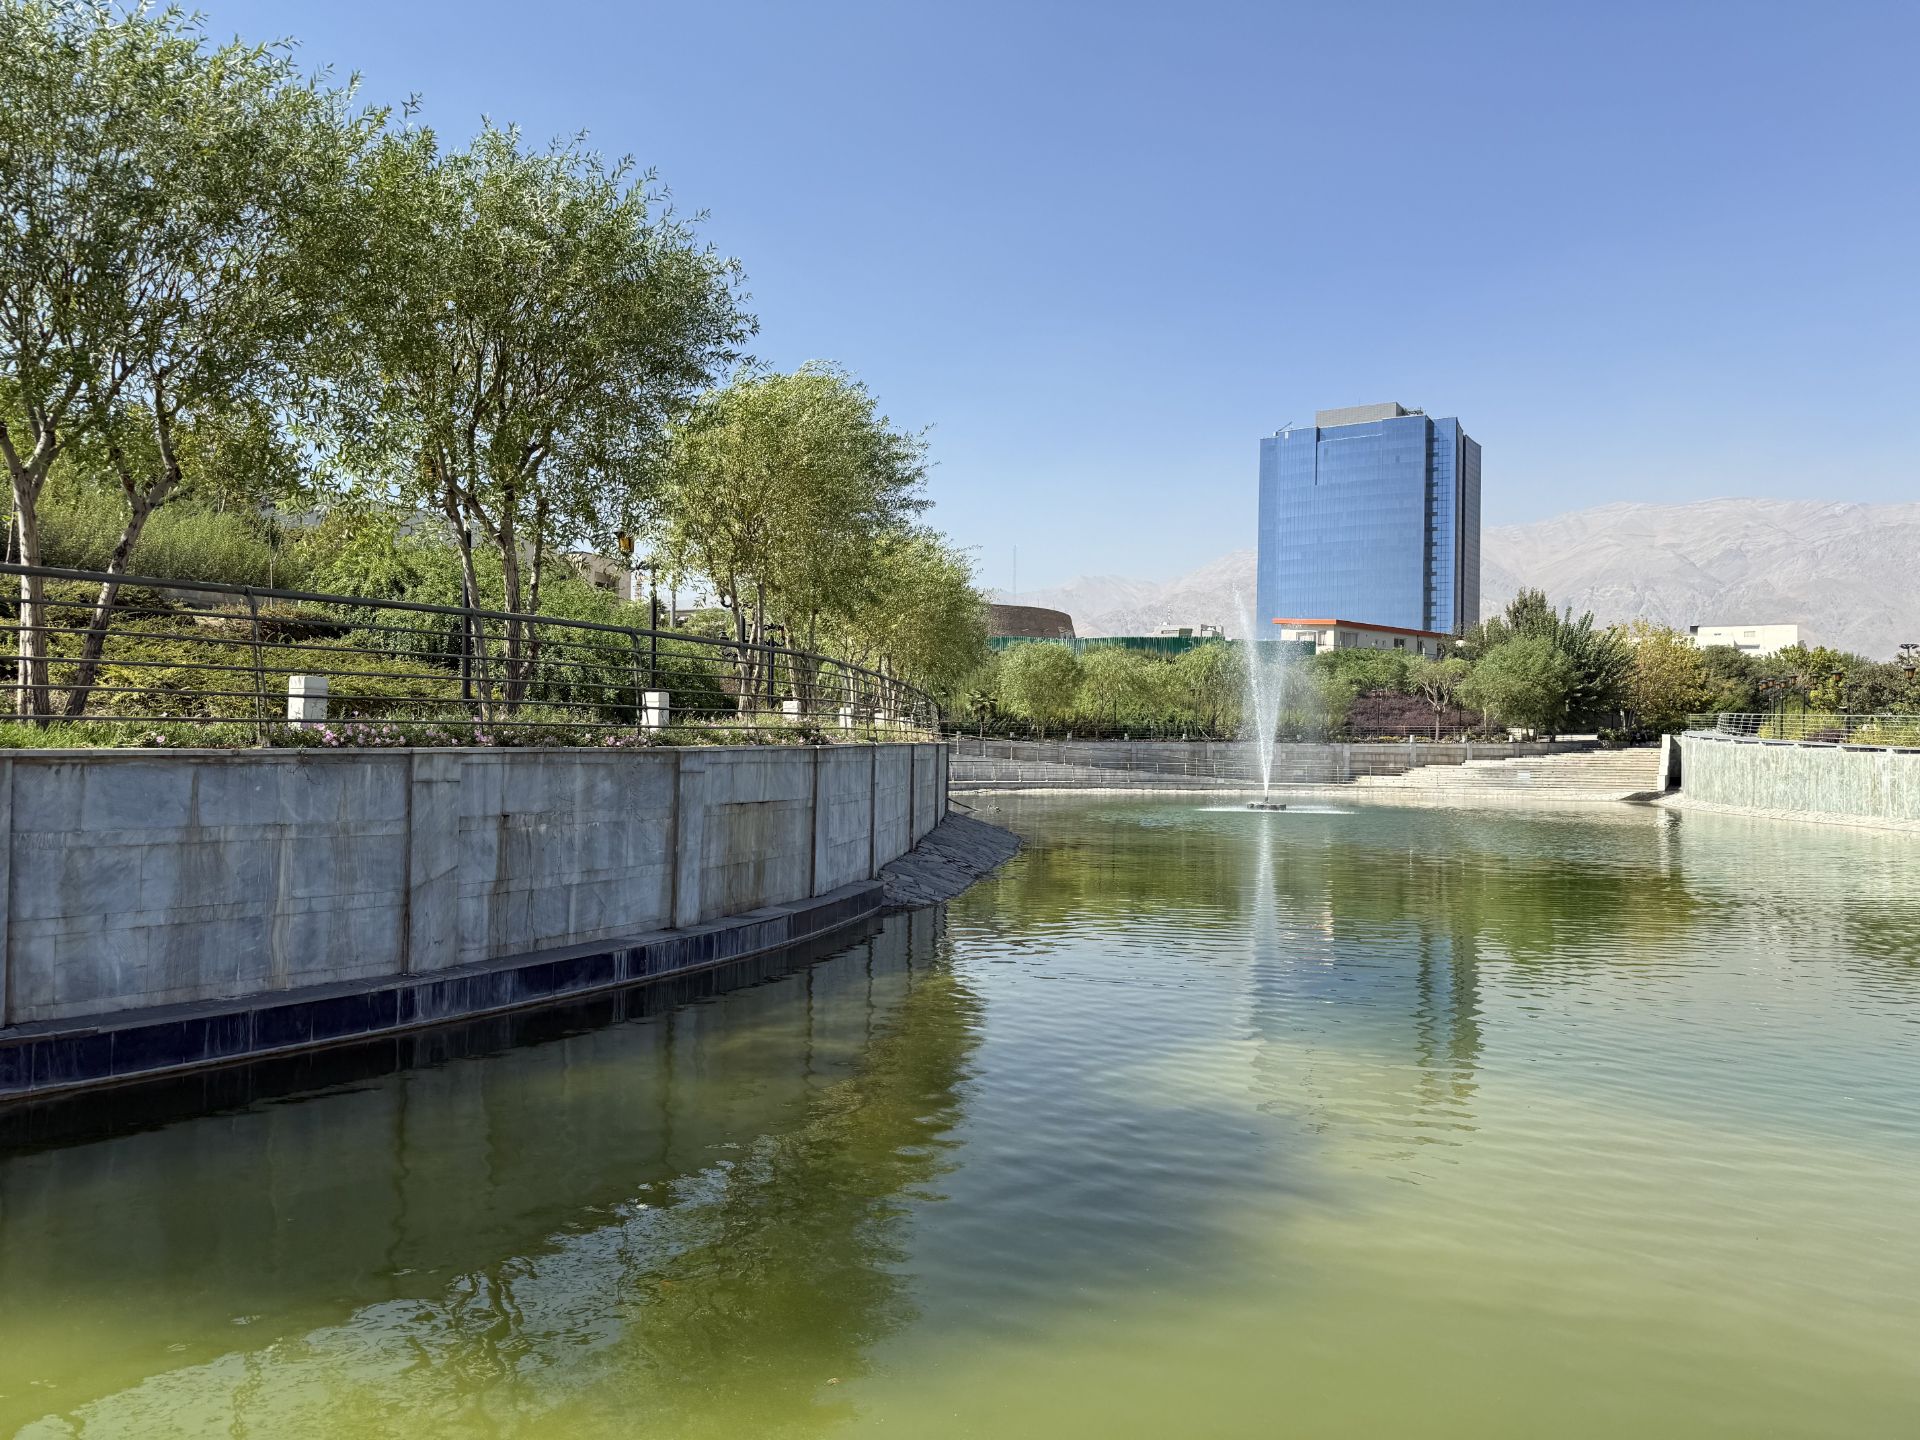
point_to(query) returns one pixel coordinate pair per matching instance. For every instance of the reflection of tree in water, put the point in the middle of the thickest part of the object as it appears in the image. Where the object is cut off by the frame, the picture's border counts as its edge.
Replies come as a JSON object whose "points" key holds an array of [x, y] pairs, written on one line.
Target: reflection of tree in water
{"points": [[1421, 992], [1108, 868], [1529, 902], [783, 1269], [1487, 878], [1395, 937], [715, 1300]]}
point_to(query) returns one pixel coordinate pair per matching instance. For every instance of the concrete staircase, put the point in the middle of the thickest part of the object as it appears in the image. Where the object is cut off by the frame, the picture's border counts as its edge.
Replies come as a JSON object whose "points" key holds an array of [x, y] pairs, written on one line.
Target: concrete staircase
{"points": [[1590, 775]]}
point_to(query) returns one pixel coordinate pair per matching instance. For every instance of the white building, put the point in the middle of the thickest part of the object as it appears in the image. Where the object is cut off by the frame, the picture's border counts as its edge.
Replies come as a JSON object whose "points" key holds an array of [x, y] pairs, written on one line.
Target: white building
{"points": [[1326, 635], [611, 573], [1189, 632], [1748, 639]]}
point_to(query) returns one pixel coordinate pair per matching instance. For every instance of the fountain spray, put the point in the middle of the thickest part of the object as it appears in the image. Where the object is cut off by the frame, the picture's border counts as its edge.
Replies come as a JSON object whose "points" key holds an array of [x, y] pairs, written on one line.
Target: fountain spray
{"points": [[1266, 691]]}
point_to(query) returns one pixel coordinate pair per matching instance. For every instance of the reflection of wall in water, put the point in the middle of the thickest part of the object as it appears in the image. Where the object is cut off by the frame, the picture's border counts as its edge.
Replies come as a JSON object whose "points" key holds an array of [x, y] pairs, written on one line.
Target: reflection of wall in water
{"points": [[547, 1180]]}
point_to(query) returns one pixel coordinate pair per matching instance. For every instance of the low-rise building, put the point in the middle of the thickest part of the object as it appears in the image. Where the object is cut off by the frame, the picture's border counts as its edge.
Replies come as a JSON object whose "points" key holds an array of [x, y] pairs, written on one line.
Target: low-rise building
{"points": [[1189, 632], [1748, 639], [1361, 635], [610, 573]]}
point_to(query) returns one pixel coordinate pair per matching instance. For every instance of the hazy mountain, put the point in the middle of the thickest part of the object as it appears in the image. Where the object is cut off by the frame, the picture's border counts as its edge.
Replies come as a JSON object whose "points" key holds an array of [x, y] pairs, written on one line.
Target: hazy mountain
{"points": [[1848, 574]]}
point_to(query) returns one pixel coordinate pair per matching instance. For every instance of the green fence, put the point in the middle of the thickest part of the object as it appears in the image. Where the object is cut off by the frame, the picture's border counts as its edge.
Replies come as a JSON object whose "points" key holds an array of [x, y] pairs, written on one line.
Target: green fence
{"points": [[1166, 646]]}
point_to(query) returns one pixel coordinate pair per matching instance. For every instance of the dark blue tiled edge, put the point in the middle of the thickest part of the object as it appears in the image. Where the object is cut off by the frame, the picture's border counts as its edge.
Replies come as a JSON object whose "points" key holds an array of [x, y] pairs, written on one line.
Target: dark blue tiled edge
{"points": [[37, 1061]]}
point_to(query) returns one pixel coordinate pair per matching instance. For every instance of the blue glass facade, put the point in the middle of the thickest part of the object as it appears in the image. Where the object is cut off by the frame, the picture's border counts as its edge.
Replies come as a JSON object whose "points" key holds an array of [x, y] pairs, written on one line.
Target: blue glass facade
{"points": [[1376, 521]]}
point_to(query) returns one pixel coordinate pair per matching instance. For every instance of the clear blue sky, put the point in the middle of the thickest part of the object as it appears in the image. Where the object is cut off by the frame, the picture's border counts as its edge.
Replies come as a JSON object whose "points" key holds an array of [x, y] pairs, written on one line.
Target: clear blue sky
{"points": [[1645, 251]]}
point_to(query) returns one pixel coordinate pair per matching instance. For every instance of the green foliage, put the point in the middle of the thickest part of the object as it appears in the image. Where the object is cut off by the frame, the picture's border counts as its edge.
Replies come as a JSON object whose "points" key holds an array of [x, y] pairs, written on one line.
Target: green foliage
{"points": [[1883, 687], [975, 699], [1669, 679], [163, 266], [1732, 680], [1120, 686], [780, 489], [538, 317], [914, 613], [1526, 681], [1598, 659], [1208, 687], [81, 524], [1816, 677], [228, 292], [1360, 670], [1890, 731], [381, 552], [711, 621], [1039, 682]]}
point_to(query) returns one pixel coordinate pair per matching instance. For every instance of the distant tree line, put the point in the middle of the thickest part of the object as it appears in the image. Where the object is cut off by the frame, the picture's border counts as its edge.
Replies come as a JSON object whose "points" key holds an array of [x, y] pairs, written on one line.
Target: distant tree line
{"points": [[233, 296], [1529, 668]]}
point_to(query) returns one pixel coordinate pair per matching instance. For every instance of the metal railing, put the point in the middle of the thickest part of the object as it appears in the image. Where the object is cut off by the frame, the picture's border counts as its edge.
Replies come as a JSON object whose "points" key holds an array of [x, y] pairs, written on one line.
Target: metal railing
{"points": [[1816, 727], [220, 658]]}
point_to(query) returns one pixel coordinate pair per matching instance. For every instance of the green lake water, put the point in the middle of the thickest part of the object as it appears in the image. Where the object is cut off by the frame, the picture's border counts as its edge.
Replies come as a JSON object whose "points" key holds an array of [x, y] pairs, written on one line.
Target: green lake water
{"points": [[1191, 1122]]}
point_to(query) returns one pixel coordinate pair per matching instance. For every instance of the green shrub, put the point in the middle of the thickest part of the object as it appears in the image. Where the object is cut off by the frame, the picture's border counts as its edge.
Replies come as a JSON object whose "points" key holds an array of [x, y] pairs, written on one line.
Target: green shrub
{"points": [[1893, 730], [80, 526]]}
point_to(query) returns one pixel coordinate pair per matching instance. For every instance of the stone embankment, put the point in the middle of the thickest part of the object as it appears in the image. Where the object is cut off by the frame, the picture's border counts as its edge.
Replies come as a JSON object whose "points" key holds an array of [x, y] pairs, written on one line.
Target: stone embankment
{"points": [[167, 912], [960, 850], [998, 765]]}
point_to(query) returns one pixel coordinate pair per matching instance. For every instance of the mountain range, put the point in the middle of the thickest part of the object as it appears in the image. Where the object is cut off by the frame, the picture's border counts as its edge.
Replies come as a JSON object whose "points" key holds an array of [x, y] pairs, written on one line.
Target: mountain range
{"points": [[1848, 575]]}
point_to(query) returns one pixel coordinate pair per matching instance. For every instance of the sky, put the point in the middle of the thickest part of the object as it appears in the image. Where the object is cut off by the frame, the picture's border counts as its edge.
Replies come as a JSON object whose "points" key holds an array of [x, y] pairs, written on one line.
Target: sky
{"points": [[1645, 251]]}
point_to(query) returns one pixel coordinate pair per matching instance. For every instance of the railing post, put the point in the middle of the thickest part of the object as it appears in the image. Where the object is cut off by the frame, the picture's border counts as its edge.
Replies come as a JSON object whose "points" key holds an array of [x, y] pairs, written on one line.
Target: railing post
{"points": [[306, 700], [640, 691]]}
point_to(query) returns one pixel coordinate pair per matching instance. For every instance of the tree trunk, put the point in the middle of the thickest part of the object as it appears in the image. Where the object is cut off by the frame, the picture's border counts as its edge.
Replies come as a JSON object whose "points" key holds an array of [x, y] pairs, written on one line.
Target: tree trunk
{"points": [[95, 643], [533, 589], [743, 702], [516, 641], [476, 673]]}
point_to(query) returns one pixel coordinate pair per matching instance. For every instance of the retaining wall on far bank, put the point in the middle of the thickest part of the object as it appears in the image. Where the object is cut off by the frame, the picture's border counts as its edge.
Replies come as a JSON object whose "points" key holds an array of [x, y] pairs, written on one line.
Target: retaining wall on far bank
{"points": [[136, 879], [1856, 784], [983, 764]]}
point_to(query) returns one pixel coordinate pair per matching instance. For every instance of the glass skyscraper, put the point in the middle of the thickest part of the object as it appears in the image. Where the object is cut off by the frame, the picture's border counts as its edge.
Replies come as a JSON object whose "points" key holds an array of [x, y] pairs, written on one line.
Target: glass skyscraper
{"points": [[1372, 514]]}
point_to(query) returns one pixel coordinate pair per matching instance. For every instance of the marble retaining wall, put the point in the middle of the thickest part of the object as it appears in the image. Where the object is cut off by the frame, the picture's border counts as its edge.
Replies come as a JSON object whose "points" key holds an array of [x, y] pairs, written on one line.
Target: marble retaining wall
{"points": [[1859, 784], [137, 879]]}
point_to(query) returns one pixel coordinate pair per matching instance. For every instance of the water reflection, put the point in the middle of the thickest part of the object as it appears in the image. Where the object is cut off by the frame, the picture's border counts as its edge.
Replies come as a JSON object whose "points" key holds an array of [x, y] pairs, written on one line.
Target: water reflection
{"points": [[1596, 1124], [717, 1194]]}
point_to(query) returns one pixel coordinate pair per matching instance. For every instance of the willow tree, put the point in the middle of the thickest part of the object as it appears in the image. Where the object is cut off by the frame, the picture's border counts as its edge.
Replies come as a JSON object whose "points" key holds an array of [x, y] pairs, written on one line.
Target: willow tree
{"points": [[1210, 685], [169, 208], [538, 317], [778, 490], [916, 614]]}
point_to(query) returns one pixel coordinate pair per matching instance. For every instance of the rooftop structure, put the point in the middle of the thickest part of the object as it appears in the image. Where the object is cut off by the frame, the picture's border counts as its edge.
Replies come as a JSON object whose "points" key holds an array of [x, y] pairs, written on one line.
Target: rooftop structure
{"points": [[1332, 634], [1202, 631]]}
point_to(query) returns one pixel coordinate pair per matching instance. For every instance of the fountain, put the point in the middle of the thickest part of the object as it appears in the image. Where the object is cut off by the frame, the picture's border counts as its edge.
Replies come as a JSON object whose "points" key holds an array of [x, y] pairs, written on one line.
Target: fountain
{"points": [[1266, 689]]}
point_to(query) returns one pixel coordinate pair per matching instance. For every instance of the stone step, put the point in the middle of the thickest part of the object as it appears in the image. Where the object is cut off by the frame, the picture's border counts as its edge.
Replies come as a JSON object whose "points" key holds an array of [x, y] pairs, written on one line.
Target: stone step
{"points": [[1611, 774]]}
